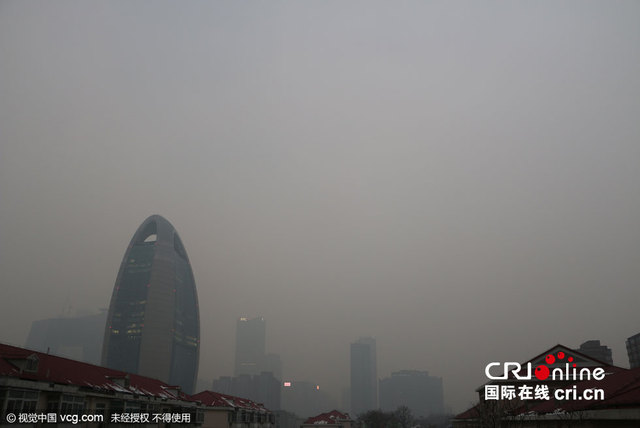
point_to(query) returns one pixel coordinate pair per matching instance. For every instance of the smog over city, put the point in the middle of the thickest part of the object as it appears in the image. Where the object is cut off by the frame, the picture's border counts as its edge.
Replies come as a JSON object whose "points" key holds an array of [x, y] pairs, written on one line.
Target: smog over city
{"points": [[458, 181]]}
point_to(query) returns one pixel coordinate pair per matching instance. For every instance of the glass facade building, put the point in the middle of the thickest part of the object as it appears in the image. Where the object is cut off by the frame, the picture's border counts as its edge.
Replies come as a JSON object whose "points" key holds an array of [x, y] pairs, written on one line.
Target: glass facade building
{"points": [[153, 324]]}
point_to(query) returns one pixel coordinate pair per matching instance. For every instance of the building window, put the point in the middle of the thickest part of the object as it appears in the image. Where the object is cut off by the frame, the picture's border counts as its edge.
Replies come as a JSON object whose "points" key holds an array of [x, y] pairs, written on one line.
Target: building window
{"points": [[22, 401], [53, 405], [71, 404], [131, 407], [31, 363], [101, 409]]}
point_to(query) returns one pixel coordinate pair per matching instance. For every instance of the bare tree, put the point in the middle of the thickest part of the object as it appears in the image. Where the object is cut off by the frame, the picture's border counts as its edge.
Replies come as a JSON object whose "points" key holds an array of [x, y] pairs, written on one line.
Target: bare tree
{"points": [[404, 417]]}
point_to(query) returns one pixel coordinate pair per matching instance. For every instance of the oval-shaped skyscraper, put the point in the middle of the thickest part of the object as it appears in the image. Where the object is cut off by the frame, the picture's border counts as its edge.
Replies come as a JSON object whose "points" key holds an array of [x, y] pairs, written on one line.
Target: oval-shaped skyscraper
{"points": [[153, 326]]}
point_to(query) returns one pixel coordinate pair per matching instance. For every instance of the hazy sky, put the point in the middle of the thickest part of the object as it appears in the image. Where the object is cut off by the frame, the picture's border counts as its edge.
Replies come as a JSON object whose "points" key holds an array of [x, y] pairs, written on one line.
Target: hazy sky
{"points": [[459, 180]]}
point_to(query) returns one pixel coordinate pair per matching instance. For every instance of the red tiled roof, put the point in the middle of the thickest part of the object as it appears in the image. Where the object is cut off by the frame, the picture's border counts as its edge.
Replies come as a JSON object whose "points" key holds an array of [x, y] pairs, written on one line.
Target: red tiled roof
{"points": [[569, 352], [621, 389], [471, 413], [64, 371], [216, 399], [328, 418]]}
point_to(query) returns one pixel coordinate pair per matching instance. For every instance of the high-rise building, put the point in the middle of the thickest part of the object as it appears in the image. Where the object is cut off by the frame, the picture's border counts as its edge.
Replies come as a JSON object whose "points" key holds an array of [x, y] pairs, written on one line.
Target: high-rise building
{"points": [[153, 325], [633, 350], [75, 337], [250, 346], [594, 349], [256, 374], [421, 393], [364, 376]]}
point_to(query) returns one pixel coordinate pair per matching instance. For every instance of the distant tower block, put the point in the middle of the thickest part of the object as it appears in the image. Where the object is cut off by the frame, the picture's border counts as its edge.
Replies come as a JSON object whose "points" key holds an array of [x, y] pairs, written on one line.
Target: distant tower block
{"points": [[153, 325], [250, 346], [364, 376]]}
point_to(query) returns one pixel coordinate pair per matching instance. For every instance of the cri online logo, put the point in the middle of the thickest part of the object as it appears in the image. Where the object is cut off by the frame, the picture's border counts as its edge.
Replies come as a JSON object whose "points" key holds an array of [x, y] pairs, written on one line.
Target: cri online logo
{"points": [[542, 372]]}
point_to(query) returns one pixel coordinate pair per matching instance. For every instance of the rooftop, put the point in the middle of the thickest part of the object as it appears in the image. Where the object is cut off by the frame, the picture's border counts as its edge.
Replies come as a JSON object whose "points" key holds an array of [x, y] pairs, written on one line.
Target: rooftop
{"points": [[328, 418]]}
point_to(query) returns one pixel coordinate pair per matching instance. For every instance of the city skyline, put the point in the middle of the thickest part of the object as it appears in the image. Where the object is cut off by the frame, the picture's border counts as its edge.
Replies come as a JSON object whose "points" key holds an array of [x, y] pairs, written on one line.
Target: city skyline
{"points": [[457, 180]]}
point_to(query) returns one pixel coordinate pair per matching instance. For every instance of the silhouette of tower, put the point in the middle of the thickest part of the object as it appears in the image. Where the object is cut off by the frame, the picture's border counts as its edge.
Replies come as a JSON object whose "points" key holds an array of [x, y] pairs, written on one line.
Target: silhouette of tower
{"points": [[364, 376], [250, 346], [153, 325]]}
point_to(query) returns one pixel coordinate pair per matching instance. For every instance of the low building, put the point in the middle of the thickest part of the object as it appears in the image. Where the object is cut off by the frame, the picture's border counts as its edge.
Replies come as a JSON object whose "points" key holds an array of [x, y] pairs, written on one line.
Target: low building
{"points": [[415, 389], [36, 386], [559, 386], [35, 383], [286, 419], [262, 388], [228, 411], [333, 419]]}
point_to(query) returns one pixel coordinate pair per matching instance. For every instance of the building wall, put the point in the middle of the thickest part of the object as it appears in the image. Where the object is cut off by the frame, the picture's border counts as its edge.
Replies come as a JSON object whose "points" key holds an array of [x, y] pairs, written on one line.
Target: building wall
{"points": [[305, 399], [273, 364], [263, 388], [25, 396], [594, 349], [364, 376], [421, 393], [78, 337], [633, 350], [216, 419], [250, 346]]}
